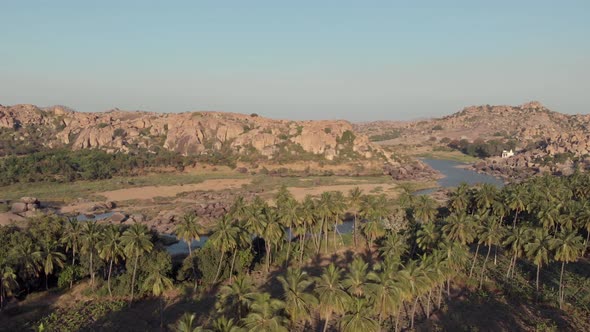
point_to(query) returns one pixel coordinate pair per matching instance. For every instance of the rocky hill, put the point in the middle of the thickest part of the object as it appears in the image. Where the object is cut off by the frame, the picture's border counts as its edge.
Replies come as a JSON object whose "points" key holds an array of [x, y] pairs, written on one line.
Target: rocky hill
{"points": [[250, 137], [545, 141], [525, 123]]}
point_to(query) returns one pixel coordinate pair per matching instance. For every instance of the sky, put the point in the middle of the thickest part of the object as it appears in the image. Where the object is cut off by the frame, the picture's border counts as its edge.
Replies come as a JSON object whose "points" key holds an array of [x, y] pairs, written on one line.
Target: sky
{"points": [[354, 60]]}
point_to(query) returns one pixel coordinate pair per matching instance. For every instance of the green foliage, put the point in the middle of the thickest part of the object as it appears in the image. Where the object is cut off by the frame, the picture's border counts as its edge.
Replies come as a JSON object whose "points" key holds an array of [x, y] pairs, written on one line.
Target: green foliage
{"points": [[102, 125], [437, 127], [482, 149], [393, 134], [80, 316], [119, 132], [70, 274], [328, 130], [64, 165]]}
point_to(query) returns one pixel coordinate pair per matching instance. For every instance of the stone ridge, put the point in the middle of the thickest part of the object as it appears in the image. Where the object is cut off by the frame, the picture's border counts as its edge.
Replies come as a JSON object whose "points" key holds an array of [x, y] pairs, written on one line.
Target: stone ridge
{"points": [[189, 133], [527, 122]]}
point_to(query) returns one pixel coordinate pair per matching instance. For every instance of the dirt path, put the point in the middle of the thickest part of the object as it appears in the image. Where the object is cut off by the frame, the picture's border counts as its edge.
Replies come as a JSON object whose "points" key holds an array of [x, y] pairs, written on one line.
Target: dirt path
{"points": [[151, 192]]}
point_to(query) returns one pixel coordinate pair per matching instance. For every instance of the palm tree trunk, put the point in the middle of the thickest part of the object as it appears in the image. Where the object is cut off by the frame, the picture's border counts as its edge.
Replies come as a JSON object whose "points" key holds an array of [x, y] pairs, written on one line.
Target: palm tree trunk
{"points": [[91, 270], [495, 256], [428, 303], [288, 247], [483, 268], [73, 264], [449, 288], [301, 246], [190, 255], [414, 312], [474, 259], [133, 277], [538, 270], [268, 249], [399, 313], [515, 217], [440, 291], [231, 270], [219, 266], [561, 286], [326, 323], [586, 244], [46, 282], [354, 231], [510, 265], [109, 278]]}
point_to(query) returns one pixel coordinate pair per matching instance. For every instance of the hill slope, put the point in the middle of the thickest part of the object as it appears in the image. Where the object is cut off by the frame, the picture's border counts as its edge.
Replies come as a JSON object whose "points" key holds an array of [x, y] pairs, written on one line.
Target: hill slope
{"points": [[26, 127]]}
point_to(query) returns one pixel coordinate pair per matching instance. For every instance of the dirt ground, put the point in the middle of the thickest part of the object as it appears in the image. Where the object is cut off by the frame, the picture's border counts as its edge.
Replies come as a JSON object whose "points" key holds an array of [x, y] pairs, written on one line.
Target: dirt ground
{"points": [[151, 192], [8, 217]]}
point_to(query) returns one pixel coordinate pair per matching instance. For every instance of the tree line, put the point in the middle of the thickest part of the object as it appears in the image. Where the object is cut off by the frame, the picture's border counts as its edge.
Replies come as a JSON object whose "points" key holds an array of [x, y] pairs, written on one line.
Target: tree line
{"points": [[416, 249]]}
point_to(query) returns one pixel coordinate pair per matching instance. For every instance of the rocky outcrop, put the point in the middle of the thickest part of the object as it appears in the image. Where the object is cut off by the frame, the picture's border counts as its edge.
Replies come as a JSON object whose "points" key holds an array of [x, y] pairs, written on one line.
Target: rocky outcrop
{"points": [[411, 170], [26, 205], [188, 133]]}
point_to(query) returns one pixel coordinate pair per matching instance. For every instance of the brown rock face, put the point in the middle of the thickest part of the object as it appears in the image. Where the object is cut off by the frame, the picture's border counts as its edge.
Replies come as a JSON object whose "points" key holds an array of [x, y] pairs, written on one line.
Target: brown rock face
{"points": [[188, 133]]}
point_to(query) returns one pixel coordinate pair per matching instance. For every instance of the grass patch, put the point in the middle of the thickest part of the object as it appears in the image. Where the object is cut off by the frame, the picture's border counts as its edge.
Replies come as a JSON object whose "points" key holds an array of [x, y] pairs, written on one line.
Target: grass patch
{"points": [[68, 192], [449, 155]]}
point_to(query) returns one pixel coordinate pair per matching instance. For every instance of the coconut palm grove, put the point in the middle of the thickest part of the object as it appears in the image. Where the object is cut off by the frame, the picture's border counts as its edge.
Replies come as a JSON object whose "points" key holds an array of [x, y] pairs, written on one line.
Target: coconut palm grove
{"points": [[477, 262]]}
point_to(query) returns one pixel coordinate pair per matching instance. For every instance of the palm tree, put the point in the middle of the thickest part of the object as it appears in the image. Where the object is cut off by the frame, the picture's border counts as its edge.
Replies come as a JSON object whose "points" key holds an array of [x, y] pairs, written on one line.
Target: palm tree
{"points": [[568, 248], [355, 196], [427, 236], [485, 196], [491, 235], [414, 281], [136, 241], [384, 290], [157, 283], [372, 230], [459, 227], [91, 234], [359, 317], [460, 199], [324, 212], [516, 200], [27, 257], [50, 257], [273, 233], [186, 322], [331, 295], [188, 231], [223, 324], [356, 279], [71, 237], [110, 249], [394, 245], [307, 214], [265, 315], [584, 222], [288, 216], [299, 302], [237, 296], [425, 209], [7, 282], [516, 239], [225, 237], [538, 249]]}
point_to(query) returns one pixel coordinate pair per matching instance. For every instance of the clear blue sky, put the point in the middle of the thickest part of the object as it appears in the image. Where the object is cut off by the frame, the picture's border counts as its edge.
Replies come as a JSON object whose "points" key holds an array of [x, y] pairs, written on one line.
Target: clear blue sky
{"points": [[357, 60]]}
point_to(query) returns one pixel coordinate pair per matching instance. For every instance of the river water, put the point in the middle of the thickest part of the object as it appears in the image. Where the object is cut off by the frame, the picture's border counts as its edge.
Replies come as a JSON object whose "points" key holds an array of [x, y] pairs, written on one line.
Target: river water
{"points": [[454, 175]]}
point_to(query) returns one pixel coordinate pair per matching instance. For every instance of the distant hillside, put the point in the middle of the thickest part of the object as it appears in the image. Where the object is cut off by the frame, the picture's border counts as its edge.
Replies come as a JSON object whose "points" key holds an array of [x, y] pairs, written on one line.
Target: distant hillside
{"points": [[525, 123], [28, 128]]}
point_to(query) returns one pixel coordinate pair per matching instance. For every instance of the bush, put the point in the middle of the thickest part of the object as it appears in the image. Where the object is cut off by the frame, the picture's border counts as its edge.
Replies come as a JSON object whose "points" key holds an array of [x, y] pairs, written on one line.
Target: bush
{"points": [[437, 127]]}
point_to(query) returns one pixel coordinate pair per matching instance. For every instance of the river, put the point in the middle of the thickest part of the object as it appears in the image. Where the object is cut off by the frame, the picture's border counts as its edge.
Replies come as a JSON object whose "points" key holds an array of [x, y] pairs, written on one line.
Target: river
{"points": [[454, 175]]}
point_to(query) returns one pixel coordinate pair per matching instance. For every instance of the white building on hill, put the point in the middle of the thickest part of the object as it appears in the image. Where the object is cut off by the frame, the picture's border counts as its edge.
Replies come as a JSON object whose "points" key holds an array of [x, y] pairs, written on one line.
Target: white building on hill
{"points": [[507, 154]]}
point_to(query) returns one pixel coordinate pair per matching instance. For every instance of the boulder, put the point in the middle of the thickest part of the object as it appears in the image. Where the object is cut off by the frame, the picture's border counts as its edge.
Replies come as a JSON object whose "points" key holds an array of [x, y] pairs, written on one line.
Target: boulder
{"points": [[118, 217], [19, 207], [30, 200]]}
